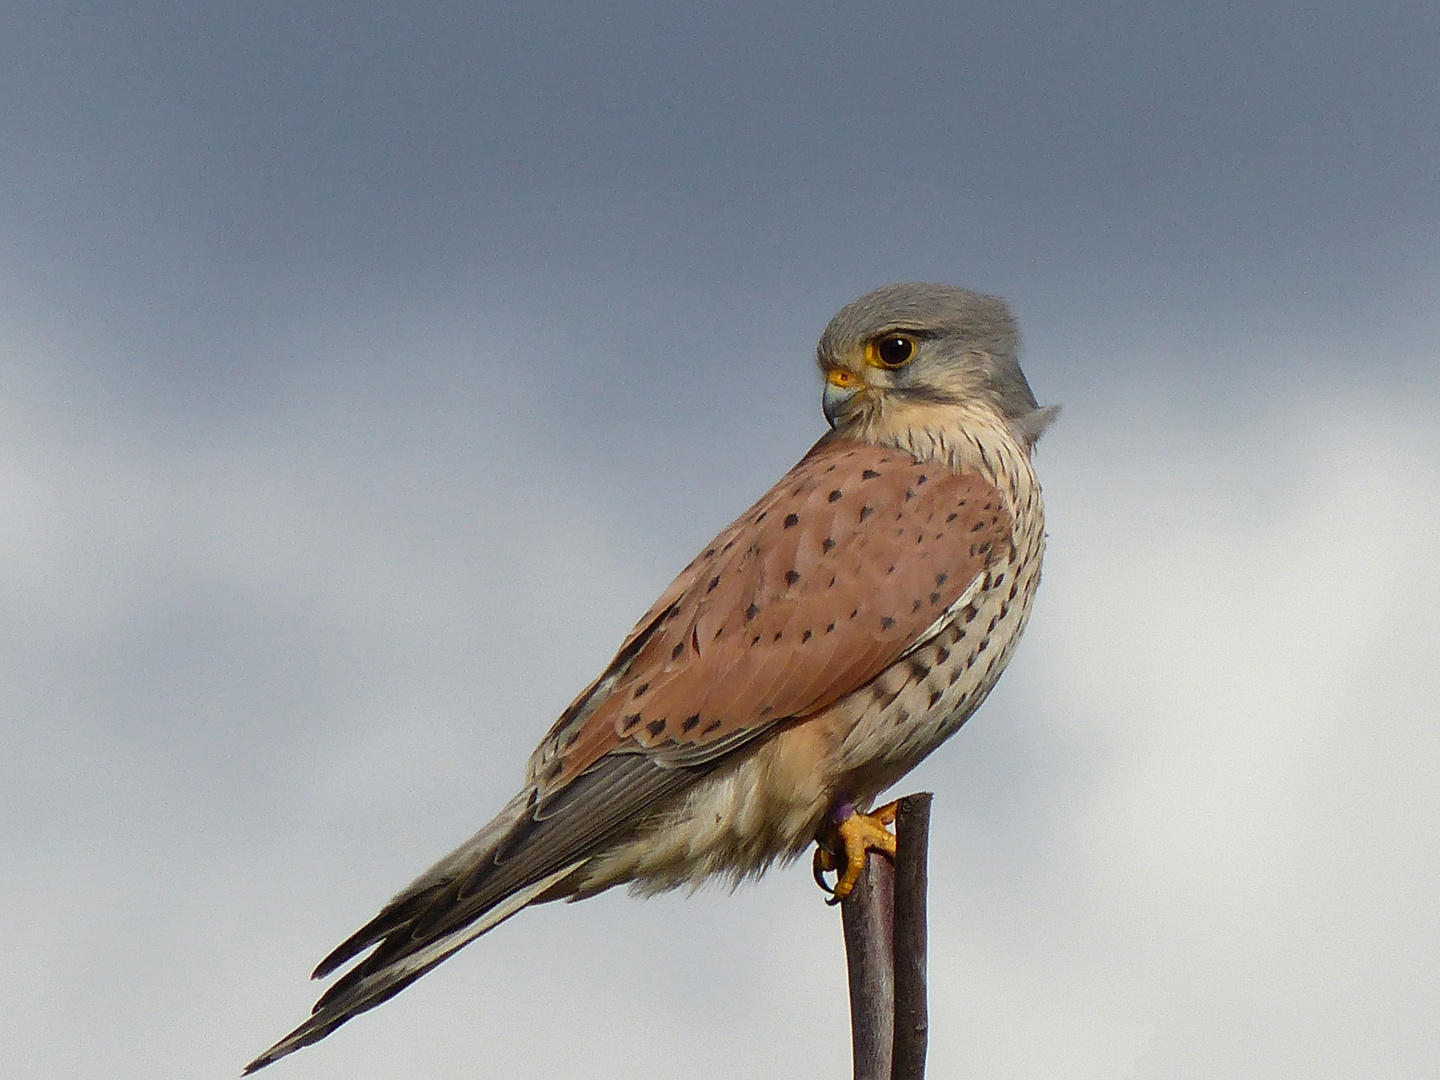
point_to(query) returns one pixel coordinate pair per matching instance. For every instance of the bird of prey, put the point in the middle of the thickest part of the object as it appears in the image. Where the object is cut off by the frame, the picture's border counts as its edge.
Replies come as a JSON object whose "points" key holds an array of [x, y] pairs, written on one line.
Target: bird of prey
{"points": [[816, 650]]}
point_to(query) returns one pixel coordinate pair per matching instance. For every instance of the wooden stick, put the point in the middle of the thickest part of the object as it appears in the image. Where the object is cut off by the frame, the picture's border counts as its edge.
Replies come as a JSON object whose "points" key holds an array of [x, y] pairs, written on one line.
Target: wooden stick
{"points": [[867, 915], [885, 943], [912, 1018]]}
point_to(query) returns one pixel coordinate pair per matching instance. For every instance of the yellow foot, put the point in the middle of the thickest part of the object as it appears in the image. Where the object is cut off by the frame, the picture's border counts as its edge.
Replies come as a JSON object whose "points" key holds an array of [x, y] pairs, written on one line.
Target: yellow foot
{"points": [[844, 847]]}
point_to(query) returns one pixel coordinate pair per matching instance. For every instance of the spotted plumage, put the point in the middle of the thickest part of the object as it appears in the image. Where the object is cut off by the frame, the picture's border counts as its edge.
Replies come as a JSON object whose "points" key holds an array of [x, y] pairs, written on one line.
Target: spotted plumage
{"points": [[814, 652]]}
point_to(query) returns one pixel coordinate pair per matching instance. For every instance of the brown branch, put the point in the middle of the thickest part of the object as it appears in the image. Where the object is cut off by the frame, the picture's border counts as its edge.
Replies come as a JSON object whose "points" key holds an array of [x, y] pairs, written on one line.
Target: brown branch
{"points": [[912, 1017], [867, 915], [885, 942]]}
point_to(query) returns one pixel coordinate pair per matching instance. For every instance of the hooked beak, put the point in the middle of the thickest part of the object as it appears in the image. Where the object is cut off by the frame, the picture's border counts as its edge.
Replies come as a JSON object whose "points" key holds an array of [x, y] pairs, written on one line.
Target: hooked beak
{"points": [[841, 386]]}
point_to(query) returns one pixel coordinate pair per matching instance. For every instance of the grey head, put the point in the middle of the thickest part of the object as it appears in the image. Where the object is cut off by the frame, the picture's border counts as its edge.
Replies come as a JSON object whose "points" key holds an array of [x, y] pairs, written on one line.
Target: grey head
{"points": [[924, 343]]}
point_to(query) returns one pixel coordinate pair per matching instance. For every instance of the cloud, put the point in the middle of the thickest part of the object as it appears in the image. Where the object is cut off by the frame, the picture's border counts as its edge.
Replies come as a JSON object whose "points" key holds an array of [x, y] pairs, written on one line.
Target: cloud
{"points": [[271, 667], [361, 380]]}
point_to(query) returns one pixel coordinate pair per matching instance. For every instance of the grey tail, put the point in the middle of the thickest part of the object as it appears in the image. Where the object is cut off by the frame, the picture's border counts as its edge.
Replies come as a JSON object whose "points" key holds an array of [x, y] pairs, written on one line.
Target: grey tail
{"points": [[370, 984], [410, 941], [527, 854]]}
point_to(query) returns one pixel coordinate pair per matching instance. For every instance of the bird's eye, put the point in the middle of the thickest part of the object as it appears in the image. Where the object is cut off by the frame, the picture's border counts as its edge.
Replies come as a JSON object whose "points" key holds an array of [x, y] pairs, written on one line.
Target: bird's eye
{"points": [[892, 350]]}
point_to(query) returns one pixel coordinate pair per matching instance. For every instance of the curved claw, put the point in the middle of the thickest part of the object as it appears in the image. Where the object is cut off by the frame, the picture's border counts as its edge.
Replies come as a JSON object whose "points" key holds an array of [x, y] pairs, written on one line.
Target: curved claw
{"points": [[856, 837], [820, 865]]}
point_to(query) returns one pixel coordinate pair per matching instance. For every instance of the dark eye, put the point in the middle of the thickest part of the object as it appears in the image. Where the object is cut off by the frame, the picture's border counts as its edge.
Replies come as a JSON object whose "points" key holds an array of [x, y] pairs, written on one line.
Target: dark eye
{"points": [[892, 350]]}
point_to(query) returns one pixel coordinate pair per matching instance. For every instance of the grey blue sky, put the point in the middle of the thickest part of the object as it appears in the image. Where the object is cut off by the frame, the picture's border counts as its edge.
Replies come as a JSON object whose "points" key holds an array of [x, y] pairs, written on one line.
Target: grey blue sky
{"points": [[365, 370]]}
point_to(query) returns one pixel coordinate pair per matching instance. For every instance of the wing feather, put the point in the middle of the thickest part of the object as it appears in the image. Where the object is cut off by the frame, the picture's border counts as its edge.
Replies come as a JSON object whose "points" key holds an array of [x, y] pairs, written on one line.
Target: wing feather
{"points": [[817, 588]]}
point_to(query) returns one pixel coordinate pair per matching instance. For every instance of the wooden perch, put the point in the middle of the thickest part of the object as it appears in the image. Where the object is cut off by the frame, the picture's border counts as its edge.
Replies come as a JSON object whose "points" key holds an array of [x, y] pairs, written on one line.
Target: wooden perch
{"points": [[885, 945], [868, 917], [912, 879]]}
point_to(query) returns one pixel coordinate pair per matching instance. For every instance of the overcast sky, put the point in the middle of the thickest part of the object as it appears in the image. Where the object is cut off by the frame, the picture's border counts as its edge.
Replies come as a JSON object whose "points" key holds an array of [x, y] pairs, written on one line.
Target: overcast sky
{"points": [[366, 370]]}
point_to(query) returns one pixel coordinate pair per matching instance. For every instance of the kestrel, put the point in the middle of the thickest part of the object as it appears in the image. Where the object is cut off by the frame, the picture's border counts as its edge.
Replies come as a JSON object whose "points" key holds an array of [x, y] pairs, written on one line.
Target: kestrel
{"points": [[816, 651]]}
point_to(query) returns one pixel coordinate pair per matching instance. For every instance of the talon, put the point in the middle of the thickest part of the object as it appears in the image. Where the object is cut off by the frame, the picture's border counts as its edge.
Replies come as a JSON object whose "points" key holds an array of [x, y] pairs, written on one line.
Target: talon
{"points": [[822, 863], [856, 836]]}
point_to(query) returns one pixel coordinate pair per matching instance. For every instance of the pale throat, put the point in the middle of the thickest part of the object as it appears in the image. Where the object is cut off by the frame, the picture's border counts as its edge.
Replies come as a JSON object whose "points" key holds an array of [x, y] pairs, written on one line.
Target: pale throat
{"points": [[969, 437]]}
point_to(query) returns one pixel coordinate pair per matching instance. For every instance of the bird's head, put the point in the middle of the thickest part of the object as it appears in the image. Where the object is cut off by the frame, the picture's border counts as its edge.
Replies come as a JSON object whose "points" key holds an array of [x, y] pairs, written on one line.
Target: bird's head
{"points": [[920, 344]]}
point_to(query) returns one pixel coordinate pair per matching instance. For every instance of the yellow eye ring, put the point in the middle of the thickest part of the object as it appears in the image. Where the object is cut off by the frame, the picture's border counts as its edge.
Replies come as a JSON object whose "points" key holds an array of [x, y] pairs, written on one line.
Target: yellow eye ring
{"points": [[890, 350]]}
